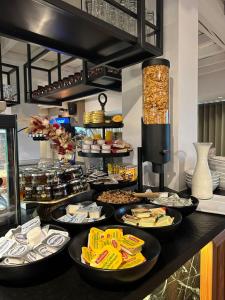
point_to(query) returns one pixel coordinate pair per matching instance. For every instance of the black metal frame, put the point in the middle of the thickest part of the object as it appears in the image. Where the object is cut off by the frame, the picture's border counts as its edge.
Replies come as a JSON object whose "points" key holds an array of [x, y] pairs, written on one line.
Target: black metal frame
{"points": [[12, 69], [28, 88], [125, 49]]}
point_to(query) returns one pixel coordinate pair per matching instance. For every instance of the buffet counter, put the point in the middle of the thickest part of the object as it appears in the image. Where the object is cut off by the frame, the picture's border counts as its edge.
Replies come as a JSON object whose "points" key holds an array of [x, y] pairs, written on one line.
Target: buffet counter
{"points": [[195, 232]]}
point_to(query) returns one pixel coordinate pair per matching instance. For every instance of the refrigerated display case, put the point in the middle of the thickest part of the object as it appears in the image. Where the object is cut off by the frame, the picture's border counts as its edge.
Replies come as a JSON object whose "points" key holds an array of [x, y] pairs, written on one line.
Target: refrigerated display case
{"points": [[9, 176]]}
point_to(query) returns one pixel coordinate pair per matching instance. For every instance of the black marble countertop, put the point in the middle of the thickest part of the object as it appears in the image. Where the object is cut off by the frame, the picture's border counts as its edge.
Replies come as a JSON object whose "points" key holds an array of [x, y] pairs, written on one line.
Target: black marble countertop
{"points": [[194, 233]]}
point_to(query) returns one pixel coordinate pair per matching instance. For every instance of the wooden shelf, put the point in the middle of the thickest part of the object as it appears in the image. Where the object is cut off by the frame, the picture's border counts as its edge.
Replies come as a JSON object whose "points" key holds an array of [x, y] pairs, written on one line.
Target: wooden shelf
{"points": [[103, 155]]}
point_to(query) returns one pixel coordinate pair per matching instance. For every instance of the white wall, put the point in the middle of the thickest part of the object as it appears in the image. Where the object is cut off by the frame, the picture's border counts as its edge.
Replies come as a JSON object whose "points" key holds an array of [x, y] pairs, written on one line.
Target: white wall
{"points": [[211, 86], [114, 102]]}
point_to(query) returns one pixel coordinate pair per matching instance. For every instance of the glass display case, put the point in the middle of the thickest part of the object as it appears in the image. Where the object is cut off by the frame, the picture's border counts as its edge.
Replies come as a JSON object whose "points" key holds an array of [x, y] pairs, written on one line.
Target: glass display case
{"points": [[9, 176]]}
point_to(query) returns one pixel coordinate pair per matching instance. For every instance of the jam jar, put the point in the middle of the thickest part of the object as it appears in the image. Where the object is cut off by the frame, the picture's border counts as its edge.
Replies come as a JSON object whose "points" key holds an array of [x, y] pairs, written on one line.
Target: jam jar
{"points": [[59, 176], [50, 176], [27, 177], [74, 186], [48, 193], [29, 194], [38, 178], [60, 191], [40, 193]]}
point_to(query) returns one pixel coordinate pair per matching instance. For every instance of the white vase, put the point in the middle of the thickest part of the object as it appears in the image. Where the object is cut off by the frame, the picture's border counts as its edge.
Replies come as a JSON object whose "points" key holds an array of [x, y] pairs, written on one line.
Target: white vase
{"points": [[202, 186]]}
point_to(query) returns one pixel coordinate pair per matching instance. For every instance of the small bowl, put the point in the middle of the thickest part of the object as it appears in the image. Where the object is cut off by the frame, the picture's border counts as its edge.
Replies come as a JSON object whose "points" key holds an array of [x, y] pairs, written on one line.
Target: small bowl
{"points": [[107, 210], [38, 271], [163, 232], [114, 278], [184, 210]]}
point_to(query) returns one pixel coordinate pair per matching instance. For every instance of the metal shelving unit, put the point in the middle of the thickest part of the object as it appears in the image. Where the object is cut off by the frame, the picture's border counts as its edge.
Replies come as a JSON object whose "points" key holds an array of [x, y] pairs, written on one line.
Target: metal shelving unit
{"points": [[88, 85], [81, 34], [9, 71]]}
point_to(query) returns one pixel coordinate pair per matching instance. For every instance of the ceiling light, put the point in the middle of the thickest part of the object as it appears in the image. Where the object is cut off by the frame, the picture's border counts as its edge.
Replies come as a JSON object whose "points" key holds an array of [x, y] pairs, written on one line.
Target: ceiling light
{"points": [[220, 97]]}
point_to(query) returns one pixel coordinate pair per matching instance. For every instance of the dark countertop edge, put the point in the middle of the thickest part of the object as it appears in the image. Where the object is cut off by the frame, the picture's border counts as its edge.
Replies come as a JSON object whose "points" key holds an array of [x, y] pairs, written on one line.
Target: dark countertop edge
{"points": [[155, 280]]}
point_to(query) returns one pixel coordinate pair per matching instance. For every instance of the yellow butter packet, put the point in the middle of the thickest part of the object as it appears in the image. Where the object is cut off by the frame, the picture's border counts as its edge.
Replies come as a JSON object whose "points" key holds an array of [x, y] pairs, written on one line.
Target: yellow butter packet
{"points": [[116, 234], [113, 243], [125, 256], [131, 244], [96, 240], [87, 254], [133, 261], [108, 258], [100, 232]]}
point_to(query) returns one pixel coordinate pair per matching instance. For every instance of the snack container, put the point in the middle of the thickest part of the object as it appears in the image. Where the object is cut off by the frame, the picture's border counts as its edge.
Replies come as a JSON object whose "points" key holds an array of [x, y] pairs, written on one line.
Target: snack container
{"points": [[106, 147], [100, 142], [95, 147]]}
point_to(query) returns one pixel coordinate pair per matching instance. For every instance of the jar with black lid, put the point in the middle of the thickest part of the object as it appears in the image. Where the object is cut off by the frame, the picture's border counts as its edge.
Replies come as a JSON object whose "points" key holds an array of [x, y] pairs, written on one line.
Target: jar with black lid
{"points": [[60, 191], [40, 193], [74, 186], [48, 193], [50, 176], [27, 177], [29, 194], [38, 178], [60, 175]]}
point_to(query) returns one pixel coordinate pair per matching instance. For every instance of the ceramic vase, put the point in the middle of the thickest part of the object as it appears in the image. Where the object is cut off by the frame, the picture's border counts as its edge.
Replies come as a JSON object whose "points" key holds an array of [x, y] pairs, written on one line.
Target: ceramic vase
{"points": [[202, 186]]}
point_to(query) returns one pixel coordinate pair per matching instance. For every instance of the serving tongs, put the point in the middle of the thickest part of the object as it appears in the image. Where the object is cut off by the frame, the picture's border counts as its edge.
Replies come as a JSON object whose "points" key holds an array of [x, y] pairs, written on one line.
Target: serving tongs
{"points": [[146, 195]]}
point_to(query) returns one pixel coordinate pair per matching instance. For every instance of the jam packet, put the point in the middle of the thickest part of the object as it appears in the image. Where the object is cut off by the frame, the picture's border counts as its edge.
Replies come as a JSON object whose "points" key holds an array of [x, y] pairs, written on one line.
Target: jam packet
{"points": [[109, 258], [78, 218], [66, 218], [133, 261], [131, 244], [113, 243], [32, 256], [35, 222], [87, 255], [17, 251], [44, 250], [56, 240], [5, 245], [114, 234], [12, 261], [96, 239]]}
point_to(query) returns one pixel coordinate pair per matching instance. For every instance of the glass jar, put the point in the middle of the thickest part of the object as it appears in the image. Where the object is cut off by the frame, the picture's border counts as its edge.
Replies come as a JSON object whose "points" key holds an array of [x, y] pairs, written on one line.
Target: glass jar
{"points": [[27, 178], [60, 191], [69, 174], [50, 177], [29, 194], [156, 91], [38, 179], [74, 186], [40, 193], [48, 193]]}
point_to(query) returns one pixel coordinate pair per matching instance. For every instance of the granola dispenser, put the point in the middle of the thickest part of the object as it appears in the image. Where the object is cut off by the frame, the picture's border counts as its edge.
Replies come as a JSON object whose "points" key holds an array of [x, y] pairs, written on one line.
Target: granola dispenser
{"points": [[155, 123]]}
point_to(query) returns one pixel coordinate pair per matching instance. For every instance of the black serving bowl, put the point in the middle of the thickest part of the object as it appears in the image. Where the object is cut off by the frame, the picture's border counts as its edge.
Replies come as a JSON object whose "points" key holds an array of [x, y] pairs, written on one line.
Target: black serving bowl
{"points": [[107, 210], [114, 278], [116, 205], [163, 232], [184, 210], [38, 271]]}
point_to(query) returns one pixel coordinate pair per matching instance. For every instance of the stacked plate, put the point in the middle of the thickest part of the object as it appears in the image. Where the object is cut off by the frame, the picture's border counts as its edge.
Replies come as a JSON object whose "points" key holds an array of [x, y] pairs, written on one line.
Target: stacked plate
{"points": [[215, 178], [217, 163]]}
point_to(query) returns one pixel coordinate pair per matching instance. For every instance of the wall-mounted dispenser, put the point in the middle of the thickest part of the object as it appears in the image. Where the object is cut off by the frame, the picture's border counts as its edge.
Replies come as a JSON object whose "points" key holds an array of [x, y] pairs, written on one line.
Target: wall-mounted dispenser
{"points": [[155, 123]]}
